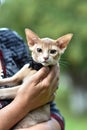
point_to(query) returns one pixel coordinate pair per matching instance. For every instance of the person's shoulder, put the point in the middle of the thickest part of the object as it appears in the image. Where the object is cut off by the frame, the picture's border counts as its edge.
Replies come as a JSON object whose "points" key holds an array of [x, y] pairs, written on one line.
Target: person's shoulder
{"points": [[9, 34], [3, 29], [11, 39]]}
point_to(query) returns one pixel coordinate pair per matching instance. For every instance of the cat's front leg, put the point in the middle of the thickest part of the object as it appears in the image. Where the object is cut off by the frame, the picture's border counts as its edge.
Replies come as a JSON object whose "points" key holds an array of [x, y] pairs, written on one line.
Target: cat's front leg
{"points": [[11, 81], [17, 78], [9, 93]]}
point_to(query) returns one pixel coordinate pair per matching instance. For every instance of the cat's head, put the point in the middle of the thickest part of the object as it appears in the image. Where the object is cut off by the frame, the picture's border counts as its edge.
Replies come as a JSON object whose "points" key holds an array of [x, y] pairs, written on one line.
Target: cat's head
{"points": [[46, 50]]}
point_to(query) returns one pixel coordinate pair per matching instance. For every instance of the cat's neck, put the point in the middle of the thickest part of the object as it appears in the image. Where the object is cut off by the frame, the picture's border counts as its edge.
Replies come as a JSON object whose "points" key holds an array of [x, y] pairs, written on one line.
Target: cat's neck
{"points": [[34, 65]]}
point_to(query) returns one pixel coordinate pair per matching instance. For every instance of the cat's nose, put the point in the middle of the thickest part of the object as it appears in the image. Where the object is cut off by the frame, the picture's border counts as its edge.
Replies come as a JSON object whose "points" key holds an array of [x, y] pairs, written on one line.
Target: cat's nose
{"points": [[45, 58]]}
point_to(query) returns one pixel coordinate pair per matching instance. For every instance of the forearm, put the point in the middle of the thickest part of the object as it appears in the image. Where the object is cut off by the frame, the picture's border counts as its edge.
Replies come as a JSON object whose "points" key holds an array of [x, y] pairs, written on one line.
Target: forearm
{"points": [[12, 113]]}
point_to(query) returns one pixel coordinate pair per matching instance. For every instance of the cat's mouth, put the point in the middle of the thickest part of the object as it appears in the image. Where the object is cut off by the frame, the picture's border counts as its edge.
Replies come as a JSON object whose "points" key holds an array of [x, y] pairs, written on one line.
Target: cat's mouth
{"points": [[45, 63]]}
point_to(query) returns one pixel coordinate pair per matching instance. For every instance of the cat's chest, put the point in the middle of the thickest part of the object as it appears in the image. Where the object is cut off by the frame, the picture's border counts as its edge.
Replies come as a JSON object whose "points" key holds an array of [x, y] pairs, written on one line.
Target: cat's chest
{"points": [[31, 69]]}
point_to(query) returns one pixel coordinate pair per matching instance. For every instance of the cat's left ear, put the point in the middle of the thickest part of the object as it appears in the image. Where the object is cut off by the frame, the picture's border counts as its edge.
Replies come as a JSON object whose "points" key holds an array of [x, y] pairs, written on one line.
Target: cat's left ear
{"points": [[63, 41], [31, 37]]}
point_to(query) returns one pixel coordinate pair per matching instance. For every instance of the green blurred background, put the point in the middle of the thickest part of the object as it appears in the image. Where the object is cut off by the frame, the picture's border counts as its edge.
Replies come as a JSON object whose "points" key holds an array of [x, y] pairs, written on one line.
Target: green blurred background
{"points": [[54, 18]]}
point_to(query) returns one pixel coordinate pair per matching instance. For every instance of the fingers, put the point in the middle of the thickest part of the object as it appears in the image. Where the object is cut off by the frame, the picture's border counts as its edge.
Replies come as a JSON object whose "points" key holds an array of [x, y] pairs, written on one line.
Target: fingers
{"points": [[46, 80], [52, 77], [40, 75], [52, 97], [50, 83], [54, 74], [55, 82], [54, 86]]}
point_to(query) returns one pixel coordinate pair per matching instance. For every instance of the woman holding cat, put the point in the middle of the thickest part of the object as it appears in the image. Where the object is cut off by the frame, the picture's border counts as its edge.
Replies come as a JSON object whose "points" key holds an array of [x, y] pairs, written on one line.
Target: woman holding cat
{"points": [[36, 88]]}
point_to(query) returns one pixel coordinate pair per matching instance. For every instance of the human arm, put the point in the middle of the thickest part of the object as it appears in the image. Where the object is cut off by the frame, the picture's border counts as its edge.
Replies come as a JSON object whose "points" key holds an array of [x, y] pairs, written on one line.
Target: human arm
{"points": [[36, 88]]}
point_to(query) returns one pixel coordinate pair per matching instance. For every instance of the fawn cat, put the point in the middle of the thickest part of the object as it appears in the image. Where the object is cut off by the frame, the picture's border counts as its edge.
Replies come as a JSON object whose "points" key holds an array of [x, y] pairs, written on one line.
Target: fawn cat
{"points": [[44, 52]]}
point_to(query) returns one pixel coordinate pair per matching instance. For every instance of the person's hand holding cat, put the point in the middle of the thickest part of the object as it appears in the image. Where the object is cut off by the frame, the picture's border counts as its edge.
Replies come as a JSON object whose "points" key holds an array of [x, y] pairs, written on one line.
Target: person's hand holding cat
{"points": [[35, 92], [40, 88]]}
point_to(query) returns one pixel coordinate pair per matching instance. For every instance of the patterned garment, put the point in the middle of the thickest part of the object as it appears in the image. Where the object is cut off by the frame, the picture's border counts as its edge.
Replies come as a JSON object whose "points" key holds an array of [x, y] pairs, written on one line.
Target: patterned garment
{"points": [[14, 54]]}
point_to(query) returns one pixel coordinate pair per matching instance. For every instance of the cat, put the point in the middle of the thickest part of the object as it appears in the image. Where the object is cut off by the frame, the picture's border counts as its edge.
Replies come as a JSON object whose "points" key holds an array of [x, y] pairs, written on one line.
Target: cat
{"points": [[44, 52]]}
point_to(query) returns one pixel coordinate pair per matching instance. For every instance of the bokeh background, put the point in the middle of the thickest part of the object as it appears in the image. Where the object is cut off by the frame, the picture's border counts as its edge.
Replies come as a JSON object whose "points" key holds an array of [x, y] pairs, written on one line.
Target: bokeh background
{"points": [[54, 18]]}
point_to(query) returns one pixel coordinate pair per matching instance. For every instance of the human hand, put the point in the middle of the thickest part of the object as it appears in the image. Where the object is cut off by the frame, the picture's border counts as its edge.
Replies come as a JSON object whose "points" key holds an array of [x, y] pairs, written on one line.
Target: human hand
{"points": [[40, 87], [35, 92]]}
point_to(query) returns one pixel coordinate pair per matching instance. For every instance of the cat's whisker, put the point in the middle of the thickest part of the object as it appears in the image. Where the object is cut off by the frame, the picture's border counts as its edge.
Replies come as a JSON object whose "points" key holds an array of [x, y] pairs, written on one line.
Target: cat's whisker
{"points": [[63, 62]]}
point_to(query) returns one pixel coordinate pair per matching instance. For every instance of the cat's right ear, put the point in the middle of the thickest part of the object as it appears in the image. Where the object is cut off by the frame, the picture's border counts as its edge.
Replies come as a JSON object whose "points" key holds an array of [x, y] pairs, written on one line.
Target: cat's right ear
{"points": [[63, 41], [31, 37]]}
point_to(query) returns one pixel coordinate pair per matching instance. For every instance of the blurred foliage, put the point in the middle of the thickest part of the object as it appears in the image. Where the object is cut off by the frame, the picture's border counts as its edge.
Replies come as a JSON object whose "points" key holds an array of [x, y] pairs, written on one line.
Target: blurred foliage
{"points": [[50, 18], [53, 19], [72, 121]]}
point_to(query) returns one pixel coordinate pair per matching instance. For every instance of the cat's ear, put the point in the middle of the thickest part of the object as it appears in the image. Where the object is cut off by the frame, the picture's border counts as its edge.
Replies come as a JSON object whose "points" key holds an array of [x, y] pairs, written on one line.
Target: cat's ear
{"points": [[63, 41], [31, 37]]}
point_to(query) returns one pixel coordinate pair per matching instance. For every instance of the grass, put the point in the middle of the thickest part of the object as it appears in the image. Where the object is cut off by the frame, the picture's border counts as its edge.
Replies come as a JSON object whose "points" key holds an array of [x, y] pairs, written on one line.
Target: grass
{"points": [[72, 122]]}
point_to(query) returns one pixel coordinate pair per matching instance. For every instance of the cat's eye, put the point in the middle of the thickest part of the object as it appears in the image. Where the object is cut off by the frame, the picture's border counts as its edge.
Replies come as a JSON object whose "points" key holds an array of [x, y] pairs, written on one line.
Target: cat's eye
{"points": [[39, 50], [52, 51]]}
